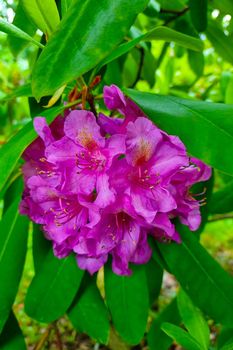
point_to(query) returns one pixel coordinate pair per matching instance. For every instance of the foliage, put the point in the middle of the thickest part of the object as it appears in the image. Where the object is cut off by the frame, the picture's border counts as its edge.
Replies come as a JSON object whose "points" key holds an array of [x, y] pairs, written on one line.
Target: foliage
{"points": [[174, 59]]}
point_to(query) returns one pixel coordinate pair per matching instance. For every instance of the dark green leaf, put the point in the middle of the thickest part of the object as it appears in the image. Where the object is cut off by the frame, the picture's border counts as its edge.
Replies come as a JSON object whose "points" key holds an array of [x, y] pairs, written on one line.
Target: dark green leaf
{"points": [[43, 13], [157, 339], [221, 42], [205, 128], [40, 248], [222, 200], [11, 337], [196, 62], [15, 31], [224, 336], [198, 11], [154, 274], [11, 151], [202, 278], [53, 288], [21, 21], [193, 320], [181, 337], [89, 314], [128, 300], [13, 247], [228, 345], [85, 36]]}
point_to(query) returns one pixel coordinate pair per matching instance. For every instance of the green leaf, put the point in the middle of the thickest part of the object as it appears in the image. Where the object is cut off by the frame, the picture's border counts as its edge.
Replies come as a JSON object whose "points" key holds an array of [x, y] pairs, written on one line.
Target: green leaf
{"points": [[12, 150], [205, 128], [181, 336], [128, 301], [196, 62], [224, 336], [43, 13], [158, 33], [11, 337], [198, 12], [193, 320], [226, 6], [154, 274], [89, 31], [89, 314], [228, 345], [53, 288], [23, 90], [40, 248], [156, 338], [221, 42], [203, 279], [229, 91], [11, 29], [65, 4], [21, 21], [222, 201], [13, 247]]}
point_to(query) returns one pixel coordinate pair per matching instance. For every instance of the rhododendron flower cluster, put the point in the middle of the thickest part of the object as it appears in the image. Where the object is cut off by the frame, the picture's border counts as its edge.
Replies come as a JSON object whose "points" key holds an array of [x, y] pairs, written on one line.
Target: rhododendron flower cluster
{"points": [[101, 186]]}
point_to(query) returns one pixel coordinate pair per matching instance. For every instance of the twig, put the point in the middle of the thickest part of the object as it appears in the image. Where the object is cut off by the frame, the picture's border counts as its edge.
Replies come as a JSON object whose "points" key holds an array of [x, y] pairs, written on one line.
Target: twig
{"points": [[43, 339], [220, 217], [58, 335], [177, 15]]}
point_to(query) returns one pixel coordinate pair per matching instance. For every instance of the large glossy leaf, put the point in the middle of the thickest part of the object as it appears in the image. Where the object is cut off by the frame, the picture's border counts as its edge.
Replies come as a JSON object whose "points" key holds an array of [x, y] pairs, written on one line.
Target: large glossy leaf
{"points": [[156, 338], [202, 278], [128, 300], [53, 288], [21, 21], [11, 151], [222, 201], [181, 337], [193, 320], [13, 247], [43, 13], [11, 337], [198, 11], [205, 128], [88, 32], [158, 33], [11, 29], [89, 314], [220, 41]]}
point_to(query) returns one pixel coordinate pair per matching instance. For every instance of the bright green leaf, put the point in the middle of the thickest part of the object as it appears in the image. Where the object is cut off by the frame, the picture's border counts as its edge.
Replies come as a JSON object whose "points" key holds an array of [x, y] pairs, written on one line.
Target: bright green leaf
{"points": [[158, 33], [43, 13], [21, 21], [17, 32], [128, 301], [53, 288], [193, 320], [181, 337], [13, 247], [90, 30], [205, 128]]}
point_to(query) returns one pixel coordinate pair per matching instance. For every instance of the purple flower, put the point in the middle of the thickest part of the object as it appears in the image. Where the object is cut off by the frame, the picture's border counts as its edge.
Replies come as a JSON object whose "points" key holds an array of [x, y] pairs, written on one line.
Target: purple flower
{"points": [[100, 186]]}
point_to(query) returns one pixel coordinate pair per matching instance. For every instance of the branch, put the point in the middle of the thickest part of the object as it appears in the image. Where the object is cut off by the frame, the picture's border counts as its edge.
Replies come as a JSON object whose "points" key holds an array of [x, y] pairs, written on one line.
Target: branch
{"points": [[220, 217], [177, 14]]}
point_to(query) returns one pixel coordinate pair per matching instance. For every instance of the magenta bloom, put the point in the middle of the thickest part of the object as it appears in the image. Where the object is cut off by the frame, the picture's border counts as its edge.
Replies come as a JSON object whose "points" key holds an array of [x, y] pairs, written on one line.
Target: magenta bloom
{"points": [[100, 187]]}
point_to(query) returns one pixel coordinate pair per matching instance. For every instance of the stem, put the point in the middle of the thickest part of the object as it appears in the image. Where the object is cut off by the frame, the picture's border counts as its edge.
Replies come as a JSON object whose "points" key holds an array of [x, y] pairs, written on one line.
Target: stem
{"points": [[58, 335], [220, 217]]}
